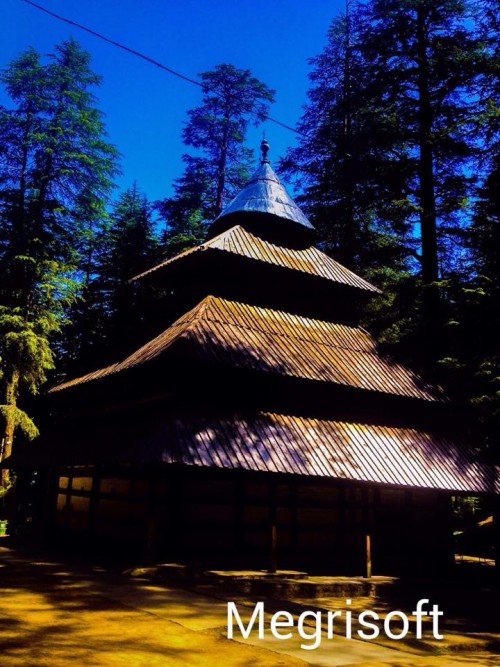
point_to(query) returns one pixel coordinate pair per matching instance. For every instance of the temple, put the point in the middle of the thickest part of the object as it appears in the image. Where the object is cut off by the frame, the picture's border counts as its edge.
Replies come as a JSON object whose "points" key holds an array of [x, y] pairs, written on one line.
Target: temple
{"points": [[262, 427]]}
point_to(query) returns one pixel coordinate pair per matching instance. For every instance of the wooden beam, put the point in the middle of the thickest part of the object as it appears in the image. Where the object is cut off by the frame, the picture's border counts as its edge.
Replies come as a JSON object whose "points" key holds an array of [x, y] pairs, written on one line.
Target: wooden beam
{"points": [[273, 534], [368, 548]]}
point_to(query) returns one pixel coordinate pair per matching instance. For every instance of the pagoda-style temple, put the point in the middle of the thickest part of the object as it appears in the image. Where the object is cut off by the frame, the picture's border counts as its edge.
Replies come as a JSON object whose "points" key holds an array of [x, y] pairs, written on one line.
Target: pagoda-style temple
{"points": [[262, 423]]}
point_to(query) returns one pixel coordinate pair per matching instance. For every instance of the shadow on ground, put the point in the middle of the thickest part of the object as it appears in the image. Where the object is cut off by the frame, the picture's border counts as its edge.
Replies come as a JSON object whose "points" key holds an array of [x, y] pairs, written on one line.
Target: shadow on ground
{"points": [[53, 614], [58, 609]]}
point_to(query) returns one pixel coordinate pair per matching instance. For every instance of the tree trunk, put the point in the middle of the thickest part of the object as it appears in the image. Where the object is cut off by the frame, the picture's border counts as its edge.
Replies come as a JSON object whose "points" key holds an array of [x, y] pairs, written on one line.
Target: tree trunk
{"points": [[221, 170], [431, 302], [10, 423], [350, 240], [426, 166], [221, 182]]}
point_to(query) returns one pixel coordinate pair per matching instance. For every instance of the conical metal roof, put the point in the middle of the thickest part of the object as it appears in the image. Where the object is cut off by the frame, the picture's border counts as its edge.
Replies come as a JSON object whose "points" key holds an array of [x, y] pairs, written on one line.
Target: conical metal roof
{"points": [[264, 196]]}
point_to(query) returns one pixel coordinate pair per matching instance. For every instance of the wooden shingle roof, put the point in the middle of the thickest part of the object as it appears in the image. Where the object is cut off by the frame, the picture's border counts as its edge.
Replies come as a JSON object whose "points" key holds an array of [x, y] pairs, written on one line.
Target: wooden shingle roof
{"points": [[238, 241], [274, 443], [261, 339], [324, 448]]}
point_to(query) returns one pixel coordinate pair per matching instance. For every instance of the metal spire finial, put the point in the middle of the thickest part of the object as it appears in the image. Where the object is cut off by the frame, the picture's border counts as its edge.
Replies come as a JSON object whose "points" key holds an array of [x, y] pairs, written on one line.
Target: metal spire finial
{"points": [[264, 147]]}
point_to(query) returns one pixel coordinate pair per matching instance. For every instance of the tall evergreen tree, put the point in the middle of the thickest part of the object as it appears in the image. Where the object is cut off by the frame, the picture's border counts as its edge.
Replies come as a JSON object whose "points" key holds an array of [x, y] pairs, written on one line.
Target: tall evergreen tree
{"points": [[130, 247], [390, 152], [53, 150], [438, 70], [188, 212], [106, 321], [423, 63], [348, 166], [481, 348], [422, 59], [232, 99], [488, 31]]}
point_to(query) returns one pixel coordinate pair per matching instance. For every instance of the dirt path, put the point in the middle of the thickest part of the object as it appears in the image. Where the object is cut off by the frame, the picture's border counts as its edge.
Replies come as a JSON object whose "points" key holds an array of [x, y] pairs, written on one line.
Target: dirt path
{"points": [[53, 614]]}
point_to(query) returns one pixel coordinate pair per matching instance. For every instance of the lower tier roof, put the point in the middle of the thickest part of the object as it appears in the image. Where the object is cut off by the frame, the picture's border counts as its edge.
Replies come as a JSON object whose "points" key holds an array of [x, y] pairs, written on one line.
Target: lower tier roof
{"points": [[273, 443], [225, 332], [324, 448]]}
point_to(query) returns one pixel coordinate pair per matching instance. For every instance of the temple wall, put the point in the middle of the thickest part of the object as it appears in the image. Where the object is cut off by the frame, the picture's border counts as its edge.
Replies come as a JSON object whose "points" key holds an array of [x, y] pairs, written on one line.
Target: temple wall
{"points": [[222, 518]]}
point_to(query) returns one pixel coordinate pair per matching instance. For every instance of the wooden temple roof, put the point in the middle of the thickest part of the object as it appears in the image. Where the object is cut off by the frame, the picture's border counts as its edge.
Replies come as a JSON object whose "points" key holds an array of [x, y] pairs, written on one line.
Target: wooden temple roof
{"points": [[276, 443], [240, 242], [261, 339], [235, 335], [324, 448]]}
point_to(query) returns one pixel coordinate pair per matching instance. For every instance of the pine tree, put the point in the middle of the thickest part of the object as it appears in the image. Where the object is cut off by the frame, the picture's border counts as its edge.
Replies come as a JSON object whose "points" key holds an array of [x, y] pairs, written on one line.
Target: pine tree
{"points": [[472, 363], [390, 158], [188, 212], [232, 98], [132, 248], [53, 150], [106, 321], [348, 164], [477, 357], [424, 59]]}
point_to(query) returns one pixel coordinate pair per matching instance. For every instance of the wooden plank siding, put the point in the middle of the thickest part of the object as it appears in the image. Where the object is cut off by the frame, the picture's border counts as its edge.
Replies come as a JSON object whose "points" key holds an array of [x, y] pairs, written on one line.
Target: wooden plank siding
{"points": [[213, 519]]}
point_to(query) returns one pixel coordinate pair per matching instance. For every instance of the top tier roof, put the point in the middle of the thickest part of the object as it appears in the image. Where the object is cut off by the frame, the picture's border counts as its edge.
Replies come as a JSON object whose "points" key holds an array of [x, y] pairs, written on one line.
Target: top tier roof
{"points": [[238, 241], [266, 205]]}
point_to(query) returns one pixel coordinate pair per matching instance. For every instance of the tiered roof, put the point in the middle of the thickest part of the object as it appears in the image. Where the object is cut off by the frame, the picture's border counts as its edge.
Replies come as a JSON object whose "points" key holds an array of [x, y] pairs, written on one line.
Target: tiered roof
{"points": [[275, 443], [261, 339], [318, 447], [239, 242], [263, 225]]}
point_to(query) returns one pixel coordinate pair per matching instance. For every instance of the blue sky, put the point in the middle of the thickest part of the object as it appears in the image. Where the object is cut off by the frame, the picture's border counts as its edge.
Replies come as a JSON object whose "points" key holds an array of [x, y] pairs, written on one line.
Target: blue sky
{"points": [[145, 108]]}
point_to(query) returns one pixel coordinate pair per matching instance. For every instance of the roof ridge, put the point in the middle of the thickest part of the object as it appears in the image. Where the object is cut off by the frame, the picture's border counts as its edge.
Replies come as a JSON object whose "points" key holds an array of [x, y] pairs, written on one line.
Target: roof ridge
{"points": [[298, 252], [321, 343], [86, 377], [288, 339], [188, 251]]}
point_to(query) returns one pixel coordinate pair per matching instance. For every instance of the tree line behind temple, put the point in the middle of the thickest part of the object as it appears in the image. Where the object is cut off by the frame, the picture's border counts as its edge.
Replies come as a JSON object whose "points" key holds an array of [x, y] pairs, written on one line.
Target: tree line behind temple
{"points": [[397, 165]]}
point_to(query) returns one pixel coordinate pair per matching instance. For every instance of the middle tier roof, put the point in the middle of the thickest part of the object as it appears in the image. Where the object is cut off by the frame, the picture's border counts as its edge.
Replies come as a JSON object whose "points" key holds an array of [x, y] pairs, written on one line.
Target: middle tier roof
{"points": [[234, 334]]}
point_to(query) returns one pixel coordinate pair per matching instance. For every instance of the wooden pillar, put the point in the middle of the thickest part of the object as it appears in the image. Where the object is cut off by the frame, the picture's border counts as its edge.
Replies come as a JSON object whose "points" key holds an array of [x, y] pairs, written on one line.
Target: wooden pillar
{"points": [[410, 536], [174, 521], [273, 533], [294, 520], [375, 530], [49, 501], [239, 519], [67, 505], [344, 528], [149, 555], [496, 537], [368, 551], [94, 500]]}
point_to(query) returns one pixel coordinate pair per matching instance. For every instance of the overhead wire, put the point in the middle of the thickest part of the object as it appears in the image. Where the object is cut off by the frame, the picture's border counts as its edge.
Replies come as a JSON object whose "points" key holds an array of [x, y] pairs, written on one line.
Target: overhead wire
{"points": [[150, 60]]}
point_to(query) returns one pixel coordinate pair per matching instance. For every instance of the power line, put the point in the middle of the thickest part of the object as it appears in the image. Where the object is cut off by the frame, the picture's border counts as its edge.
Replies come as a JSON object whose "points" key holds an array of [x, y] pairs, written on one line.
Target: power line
{"points": [[117, 44], [138, 54]]}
